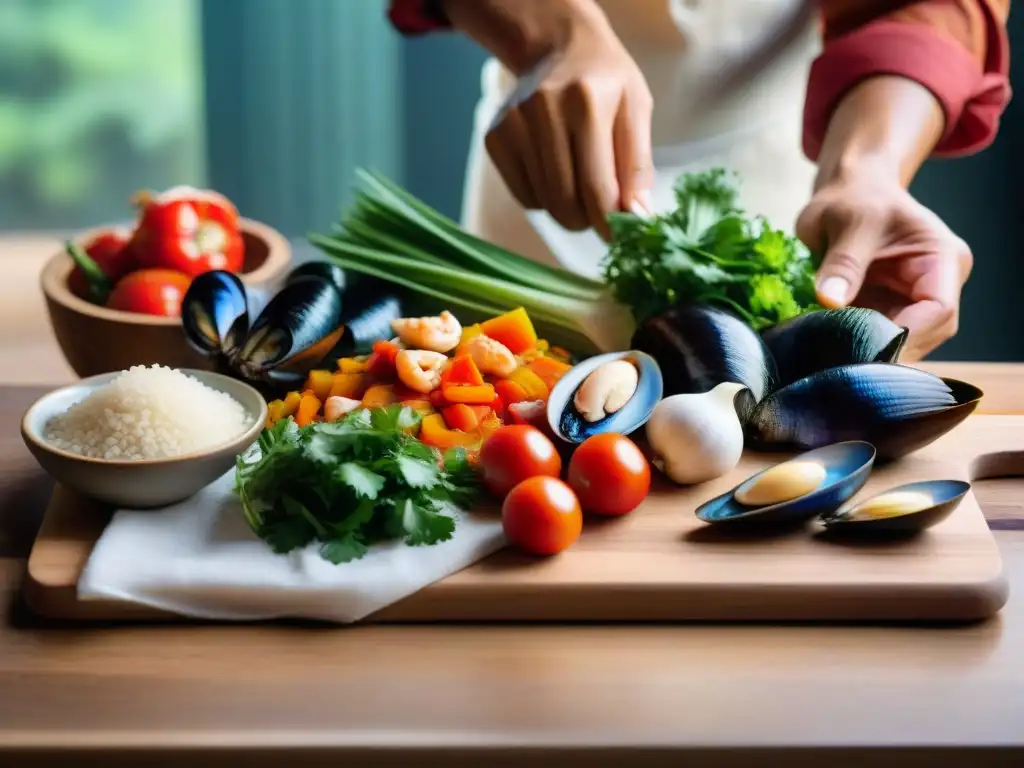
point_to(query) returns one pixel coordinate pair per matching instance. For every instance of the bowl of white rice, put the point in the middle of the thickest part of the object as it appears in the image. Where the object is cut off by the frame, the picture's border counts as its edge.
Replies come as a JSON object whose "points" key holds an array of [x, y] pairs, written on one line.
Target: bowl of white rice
{"points": [[146, 437]]}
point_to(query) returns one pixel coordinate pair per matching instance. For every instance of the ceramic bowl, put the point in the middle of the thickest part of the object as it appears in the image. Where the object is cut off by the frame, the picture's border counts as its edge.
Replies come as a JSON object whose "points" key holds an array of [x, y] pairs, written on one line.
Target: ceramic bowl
{"points": [[98, 340], [141, 484]]}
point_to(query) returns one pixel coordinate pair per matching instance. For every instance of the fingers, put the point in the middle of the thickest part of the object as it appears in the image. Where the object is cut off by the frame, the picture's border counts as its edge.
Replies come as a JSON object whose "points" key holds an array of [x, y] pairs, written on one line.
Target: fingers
{"points": [[547, 116], [508, 144], [633, 155], [595, 166], [846, 262]]}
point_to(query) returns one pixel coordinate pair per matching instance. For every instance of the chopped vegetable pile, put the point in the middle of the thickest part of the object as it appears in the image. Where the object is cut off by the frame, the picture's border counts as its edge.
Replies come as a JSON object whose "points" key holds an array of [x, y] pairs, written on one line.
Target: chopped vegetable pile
{"points": [[351, 483], [707, 251], [496, 371]]}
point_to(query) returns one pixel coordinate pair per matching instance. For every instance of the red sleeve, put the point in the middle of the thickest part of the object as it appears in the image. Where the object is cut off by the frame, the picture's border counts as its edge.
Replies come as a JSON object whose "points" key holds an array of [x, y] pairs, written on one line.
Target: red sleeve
{"points": [[416, 17], [957, 49]]}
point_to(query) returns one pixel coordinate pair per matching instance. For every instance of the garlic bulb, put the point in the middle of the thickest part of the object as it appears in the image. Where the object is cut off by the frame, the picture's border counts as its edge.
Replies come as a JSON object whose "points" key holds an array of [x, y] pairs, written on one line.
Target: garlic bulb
{"points": [[697, 437]]}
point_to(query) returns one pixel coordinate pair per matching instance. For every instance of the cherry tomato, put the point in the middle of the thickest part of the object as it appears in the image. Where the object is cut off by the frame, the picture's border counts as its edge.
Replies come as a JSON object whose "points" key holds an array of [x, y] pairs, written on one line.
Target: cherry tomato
{"points": [[515, 453], [150, 292], [542, 516], [609, 474], [110, 252]]}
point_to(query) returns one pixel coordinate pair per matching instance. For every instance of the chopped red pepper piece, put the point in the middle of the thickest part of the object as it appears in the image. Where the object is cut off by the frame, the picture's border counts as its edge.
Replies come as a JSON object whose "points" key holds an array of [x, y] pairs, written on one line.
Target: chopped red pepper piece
{"points": [[462, 371], [460, 416]]}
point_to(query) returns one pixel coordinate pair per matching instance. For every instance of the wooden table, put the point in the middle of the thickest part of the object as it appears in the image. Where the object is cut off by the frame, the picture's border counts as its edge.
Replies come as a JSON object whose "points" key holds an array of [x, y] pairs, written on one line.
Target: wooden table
{"points": [[656, 695], [495, 696]]}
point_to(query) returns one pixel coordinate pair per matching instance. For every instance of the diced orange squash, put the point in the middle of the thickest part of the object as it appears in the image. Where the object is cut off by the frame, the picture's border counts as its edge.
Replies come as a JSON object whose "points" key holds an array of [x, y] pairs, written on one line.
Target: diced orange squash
{"points": [[531, 383], [309, 407], [549, 370], [461, 417], [273, 409], [510, 392], [348, 385], [482, 394], [320, 382], [351, 365], [423, 406], [378, 396], [462, 371], [513, 329], [289, 405], [434, 432]]}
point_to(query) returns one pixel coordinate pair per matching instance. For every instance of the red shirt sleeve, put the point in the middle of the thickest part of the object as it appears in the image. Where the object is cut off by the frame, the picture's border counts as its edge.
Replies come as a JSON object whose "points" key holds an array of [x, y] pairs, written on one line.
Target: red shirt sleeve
{"points": [[416, 17], [958, 49]]}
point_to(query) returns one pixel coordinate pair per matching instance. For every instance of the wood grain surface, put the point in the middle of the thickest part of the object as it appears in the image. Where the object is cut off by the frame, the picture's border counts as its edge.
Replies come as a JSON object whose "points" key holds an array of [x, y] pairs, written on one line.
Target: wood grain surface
{"points": [[463, 695], [661, 563]]}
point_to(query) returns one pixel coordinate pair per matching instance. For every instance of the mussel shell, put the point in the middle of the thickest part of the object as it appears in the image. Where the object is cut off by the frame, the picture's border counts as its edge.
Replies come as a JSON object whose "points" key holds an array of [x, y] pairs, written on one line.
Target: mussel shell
{"points": [[367, 320], [946, 497], [323, 269], [215, 313], [299, 326], [847, 467], [568, 425], [699, 347], [897, 409], [829, 338]]}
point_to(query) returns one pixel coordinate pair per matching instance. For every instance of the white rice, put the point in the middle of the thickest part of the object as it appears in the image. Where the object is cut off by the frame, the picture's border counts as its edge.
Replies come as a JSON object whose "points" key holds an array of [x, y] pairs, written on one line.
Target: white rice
{"points": [[148, 413]]}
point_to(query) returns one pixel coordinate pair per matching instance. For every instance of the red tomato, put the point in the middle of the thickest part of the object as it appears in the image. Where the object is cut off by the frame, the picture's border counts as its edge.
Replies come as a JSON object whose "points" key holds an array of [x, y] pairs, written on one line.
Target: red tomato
{"points": [[109, 251], [542, 516], [150, 292], [515, 453], [610, 474]]}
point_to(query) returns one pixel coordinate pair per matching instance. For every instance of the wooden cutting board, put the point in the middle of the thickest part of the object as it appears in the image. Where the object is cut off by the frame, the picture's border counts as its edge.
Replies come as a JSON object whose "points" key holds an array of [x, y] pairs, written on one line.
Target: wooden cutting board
{"points": [[662, 564]]}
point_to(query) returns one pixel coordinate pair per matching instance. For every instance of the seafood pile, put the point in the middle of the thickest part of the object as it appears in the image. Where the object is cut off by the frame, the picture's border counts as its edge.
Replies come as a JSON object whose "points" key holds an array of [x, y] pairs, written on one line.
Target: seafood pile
{"points": [[465, 381]]}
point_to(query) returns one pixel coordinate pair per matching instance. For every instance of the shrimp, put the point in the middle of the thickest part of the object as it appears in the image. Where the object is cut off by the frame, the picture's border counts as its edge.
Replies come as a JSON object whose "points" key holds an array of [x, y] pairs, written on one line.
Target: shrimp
{"points": [[420, 370], [337, 406], [491, 356], [438, 334]]}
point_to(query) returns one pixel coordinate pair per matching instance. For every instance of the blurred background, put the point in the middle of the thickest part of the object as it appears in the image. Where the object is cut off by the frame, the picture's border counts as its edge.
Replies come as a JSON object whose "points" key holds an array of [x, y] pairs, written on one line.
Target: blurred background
{"points": [[275, 102]]}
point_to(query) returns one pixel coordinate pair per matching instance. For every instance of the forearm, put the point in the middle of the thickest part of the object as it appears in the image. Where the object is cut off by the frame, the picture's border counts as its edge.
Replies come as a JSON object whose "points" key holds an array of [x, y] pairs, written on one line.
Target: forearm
{"points": [[522, 32], [888, 125]]}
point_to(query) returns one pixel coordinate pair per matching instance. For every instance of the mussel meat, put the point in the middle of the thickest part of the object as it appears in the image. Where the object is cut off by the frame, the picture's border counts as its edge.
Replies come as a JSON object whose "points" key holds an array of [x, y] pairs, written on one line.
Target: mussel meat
{"points": [[699, 347], [830, 338], [905, 509], [215, 314], [839, 471], [601, 395], [877, 402]]}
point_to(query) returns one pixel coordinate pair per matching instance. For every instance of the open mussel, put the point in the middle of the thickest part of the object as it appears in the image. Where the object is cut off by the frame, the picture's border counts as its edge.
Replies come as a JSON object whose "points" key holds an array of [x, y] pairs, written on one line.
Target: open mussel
{"points": [[299, 326], [905, 509], [898, 409], [699, 347], [322, 269], [615, 392], [830, 338], [215, 314], [796, 490]]}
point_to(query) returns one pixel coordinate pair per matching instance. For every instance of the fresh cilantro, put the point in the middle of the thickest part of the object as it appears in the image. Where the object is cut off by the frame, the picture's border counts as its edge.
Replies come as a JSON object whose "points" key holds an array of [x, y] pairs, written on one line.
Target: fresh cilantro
{"points": [[351, 483], [707, 250]]}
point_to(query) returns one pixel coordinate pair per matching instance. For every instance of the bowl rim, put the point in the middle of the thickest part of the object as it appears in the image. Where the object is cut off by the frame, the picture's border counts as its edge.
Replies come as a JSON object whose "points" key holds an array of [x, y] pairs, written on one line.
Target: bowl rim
{"points": [[53, 279], [246, 438]]}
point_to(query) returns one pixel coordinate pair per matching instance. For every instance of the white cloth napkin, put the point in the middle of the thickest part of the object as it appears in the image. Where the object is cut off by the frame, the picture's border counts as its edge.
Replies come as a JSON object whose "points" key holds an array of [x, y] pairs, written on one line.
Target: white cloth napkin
{"points": [[200, 559]]}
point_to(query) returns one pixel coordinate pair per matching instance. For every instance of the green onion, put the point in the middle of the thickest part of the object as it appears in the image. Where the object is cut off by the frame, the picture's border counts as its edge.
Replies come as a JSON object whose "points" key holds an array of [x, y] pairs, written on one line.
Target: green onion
{"points": [[390, 235]]}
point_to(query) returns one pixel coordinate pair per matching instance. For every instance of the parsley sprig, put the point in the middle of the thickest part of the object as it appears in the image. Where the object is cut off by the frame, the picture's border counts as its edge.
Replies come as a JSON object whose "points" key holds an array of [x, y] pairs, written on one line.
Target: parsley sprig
{"points": [[351, 483], [708, 251]]}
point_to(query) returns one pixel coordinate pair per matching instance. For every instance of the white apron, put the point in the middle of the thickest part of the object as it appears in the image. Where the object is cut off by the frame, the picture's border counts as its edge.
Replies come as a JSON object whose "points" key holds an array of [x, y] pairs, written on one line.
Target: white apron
{"points": [[680, 46]]}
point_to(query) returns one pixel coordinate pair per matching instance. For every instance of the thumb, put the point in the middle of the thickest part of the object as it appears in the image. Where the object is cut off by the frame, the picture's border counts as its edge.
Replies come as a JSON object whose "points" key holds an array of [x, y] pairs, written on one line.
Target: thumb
{"points": [[842, 271]]}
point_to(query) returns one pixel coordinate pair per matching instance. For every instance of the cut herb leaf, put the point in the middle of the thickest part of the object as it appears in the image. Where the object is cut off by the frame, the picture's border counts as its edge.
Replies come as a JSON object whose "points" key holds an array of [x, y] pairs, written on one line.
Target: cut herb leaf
{"points": [[350, 483]]}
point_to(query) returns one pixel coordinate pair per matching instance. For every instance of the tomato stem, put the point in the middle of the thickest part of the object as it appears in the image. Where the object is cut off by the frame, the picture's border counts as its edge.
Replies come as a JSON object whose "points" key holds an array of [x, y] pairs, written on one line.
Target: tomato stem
{"points": [[100, 285]]}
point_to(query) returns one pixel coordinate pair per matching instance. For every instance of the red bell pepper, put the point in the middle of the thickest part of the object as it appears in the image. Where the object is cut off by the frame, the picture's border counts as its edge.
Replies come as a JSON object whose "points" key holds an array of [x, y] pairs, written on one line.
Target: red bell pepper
{"points": [[381, 363], [462, 372], [189, 230], [150, 292]]}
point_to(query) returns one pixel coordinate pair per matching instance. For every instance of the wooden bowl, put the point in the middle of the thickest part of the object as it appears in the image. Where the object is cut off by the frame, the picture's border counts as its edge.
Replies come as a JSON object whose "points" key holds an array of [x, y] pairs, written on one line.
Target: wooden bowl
{"points": [[98, 340]]}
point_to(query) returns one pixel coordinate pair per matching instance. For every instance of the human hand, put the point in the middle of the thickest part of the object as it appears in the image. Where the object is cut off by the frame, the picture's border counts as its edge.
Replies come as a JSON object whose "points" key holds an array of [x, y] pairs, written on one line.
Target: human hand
{"points": [[886, 251], [574, 138]]}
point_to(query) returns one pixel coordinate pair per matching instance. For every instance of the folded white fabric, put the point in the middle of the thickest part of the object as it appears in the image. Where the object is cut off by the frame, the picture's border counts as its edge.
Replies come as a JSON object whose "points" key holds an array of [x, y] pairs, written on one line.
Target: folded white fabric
{"points": [[200, 559]]}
